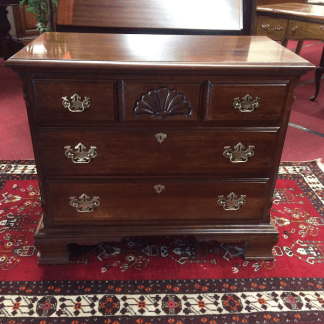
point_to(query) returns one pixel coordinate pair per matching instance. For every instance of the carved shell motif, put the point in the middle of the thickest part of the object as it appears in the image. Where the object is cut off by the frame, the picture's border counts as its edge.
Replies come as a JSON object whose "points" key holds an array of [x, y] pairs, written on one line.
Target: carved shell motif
{"points": [[162, 103]]}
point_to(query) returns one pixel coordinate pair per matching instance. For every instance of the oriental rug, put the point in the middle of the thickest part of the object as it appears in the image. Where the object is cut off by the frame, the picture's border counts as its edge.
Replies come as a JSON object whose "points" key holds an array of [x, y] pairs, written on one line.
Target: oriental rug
{"points": [[167, 279]]}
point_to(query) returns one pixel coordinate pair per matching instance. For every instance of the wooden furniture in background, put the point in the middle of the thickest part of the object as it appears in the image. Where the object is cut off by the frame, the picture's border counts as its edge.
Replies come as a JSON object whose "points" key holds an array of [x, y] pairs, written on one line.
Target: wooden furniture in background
{"points": [[144, 135], [158, 17], [294, 21], [316, 2], [8, 45], [272, 2], [25, 25]]}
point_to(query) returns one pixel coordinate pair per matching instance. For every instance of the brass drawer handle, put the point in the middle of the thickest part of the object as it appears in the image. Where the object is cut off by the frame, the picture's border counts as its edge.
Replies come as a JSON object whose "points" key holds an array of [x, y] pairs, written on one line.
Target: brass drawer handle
{"points": [[294, 28], [80, 155], [246, 105], [84, 204], [238, 154], [76, 104], [159, 188], [161, 137], [267, 27], [232, 203]]}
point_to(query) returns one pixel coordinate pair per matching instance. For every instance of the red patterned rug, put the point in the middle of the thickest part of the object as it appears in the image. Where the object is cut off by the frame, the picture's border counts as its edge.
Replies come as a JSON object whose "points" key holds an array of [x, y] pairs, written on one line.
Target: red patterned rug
{"points": [[169, 279]]}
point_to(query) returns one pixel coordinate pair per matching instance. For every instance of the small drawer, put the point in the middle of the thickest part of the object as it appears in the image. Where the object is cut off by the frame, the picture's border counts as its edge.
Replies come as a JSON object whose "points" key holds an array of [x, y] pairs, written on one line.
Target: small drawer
{"points": [[247, 102], [158, 151], [161, 101], [158, 200], [300, 30], [85, 101], [275, 28]]}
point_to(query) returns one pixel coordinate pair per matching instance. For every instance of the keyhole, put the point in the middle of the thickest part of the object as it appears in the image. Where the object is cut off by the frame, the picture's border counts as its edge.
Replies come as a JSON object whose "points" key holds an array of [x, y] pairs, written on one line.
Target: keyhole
{"points": [[159, 188]]}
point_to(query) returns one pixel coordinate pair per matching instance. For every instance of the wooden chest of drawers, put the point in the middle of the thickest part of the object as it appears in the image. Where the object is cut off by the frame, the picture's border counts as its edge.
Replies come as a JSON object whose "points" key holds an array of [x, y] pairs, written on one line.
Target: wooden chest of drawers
{"points": [[156, 135]]}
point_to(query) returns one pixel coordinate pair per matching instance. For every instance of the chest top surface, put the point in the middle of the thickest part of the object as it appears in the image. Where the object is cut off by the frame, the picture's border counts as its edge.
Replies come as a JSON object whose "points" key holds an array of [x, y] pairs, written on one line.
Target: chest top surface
{"points": [[175, 51]]}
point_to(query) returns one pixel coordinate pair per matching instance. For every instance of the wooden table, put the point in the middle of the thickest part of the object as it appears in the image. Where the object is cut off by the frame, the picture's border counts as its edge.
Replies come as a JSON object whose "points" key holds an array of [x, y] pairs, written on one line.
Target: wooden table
{"points": [[316, 2], [293, 21]]}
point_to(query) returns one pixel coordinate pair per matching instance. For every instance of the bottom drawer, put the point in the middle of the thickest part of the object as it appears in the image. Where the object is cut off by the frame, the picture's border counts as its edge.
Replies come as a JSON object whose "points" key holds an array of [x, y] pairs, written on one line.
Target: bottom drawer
{"points": [[154, 200]]}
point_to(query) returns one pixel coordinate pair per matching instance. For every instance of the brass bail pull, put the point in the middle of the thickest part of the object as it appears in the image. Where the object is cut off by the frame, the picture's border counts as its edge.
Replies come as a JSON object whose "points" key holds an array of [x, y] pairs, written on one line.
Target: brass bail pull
{"points": [[232, 203], [80, 155], [238, 154], [246, 104], [76, 104], [84, 204]]}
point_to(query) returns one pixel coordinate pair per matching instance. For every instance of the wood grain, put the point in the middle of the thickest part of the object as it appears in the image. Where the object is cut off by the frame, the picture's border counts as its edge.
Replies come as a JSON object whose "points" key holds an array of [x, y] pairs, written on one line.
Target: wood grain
{"points": [[301, 30], [133, 151], [179, 200], [154, 14], [271, 98], [49, 100], [107, 52], [65, 12]]}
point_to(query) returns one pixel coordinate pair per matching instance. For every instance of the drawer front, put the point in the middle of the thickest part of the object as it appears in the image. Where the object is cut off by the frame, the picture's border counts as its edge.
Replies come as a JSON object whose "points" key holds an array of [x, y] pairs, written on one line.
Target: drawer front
{"points": [[85, 101], [274, 28], [300, 30], [161, 102], [247, 102], [158, 151], [155, 200]]}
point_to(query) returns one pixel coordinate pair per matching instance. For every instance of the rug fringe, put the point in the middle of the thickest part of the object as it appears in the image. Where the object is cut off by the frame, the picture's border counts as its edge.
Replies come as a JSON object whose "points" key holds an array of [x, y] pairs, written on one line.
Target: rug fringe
{"points": [[320, 164], [319, 160]]}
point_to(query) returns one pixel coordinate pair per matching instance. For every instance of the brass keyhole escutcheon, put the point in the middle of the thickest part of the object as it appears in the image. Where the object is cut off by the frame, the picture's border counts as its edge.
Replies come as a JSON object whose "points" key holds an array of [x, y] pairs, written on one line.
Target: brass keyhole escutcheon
{"points": [[160, 137], [159, 188]]}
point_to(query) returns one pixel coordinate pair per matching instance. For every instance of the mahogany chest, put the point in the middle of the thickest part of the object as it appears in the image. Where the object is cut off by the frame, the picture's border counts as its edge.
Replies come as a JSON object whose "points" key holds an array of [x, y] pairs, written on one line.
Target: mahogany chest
{"points": [[146, 135]]}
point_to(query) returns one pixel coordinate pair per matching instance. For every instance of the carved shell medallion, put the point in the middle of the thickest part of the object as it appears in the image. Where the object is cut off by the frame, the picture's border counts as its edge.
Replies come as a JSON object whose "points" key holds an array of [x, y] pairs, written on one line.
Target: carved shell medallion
{"points": [[162, 103]]}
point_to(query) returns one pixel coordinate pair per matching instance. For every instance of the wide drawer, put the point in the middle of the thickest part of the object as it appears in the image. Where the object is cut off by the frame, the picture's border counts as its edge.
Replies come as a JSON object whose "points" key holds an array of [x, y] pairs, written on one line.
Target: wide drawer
{"points": [[158, 199], [275, 28], [158, 151], [85, 101], [247, 102], [300, 30]]}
